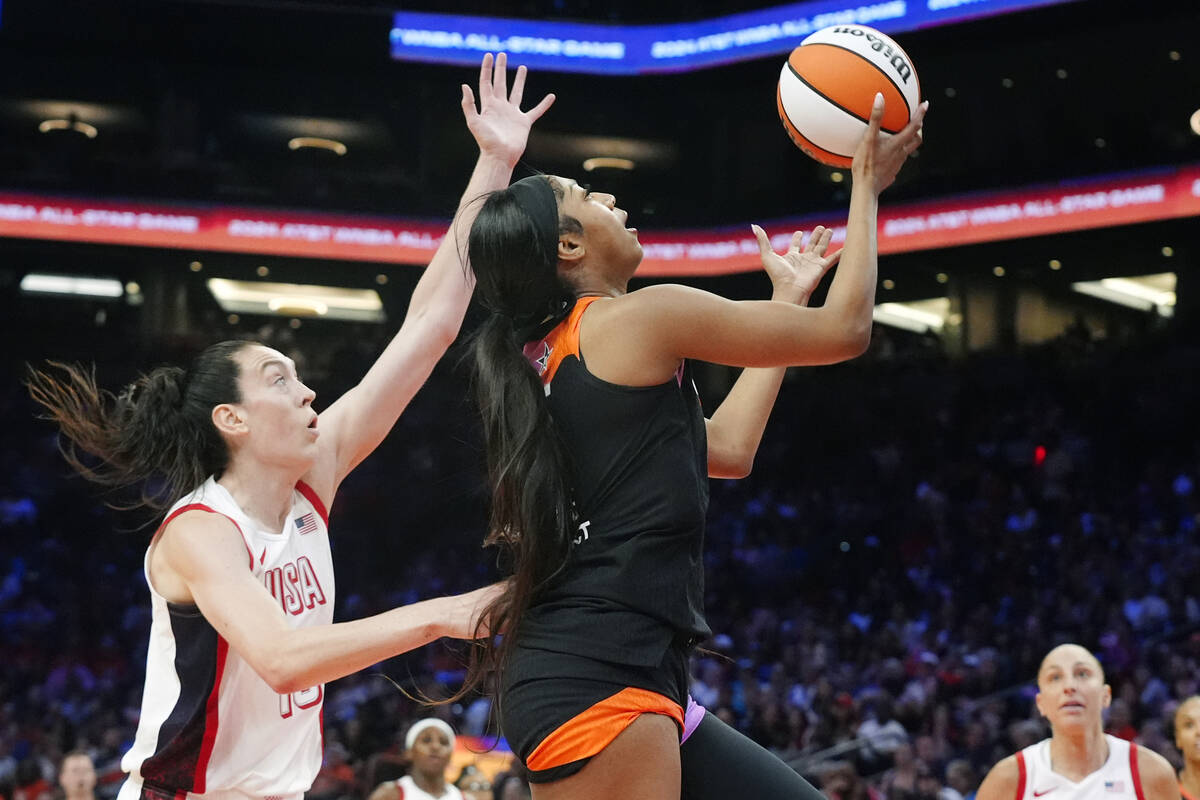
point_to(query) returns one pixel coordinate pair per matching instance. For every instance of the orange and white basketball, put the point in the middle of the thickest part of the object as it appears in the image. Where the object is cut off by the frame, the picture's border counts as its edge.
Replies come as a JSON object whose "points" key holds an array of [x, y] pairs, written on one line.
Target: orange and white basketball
{"points": [[829, 83]]}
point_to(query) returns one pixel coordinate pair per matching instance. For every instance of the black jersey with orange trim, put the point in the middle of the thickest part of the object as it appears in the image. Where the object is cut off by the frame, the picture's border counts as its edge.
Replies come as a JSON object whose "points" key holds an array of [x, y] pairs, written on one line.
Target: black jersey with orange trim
{"points": [[634, 579]]}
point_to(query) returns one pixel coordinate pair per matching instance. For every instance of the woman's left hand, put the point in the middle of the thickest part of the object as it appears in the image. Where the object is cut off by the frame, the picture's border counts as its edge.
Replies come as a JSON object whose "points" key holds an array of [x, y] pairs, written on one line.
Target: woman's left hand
{"points": [[796, 273], [499, 126]]}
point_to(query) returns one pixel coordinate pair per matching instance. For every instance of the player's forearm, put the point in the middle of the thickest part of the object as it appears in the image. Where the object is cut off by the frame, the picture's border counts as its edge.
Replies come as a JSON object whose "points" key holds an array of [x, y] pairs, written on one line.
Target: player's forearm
{"points": [[736, 428], [852, 291], [446, 286], [306, 657]]}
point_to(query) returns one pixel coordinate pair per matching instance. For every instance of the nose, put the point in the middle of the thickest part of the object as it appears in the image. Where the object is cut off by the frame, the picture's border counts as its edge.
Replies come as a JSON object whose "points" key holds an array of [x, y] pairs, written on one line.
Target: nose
{"points": [[608, 200], [307, 396]]}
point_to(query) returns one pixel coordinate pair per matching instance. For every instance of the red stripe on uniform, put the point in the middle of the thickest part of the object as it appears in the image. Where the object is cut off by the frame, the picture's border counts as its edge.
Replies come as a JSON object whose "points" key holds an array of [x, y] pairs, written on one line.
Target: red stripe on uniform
{"points": [[1133, 769], [211, 719], [1021, 775], [311, 496], [210, 510]]}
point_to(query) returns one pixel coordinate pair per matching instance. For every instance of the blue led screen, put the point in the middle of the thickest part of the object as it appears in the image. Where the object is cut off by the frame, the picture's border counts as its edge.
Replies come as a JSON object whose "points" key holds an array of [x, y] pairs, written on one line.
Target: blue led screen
{"points": [[632, 49]]}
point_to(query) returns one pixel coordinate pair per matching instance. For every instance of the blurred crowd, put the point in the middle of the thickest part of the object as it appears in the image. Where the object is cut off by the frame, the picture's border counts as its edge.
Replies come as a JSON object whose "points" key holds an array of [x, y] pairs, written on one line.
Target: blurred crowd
{"points": [[917, 532]]}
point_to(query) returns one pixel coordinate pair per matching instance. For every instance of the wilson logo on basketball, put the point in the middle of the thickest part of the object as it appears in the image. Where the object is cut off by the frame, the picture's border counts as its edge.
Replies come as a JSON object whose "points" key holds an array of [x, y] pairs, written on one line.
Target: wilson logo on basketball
{"points": [[881, 44]]}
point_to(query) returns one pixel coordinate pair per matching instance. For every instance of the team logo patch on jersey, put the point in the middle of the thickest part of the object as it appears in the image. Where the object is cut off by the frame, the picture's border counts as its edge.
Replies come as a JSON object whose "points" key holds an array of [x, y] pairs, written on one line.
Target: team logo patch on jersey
{"points": [[1114, 786], [539, 360], [306, 523]]}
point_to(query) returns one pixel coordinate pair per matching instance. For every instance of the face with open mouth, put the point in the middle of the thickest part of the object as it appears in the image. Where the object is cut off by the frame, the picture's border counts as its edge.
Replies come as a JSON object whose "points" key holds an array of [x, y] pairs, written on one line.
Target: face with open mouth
{"points": [[1071, 688], [278, 424]]}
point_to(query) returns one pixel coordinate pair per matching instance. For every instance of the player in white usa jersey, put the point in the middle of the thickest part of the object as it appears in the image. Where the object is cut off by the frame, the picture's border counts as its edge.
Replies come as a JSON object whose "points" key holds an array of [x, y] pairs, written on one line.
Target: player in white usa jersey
{"points": [[1079, 761], [241, 582]]}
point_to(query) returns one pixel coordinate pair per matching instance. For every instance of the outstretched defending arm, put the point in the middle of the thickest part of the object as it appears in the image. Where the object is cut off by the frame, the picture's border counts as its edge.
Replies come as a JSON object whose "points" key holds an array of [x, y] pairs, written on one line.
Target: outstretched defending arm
{"points": [[207, 555], [358, 421]]}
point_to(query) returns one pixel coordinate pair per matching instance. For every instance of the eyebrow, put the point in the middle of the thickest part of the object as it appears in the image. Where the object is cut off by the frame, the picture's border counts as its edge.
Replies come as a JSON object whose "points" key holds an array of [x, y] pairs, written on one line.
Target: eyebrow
{"points": [[1087, 664], [287, 366]]}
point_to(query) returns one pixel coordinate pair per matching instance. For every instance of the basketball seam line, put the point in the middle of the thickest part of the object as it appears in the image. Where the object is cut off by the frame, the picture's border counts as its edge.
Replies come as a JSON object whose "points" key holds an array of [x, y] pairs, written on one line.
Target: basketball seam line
{"points": [[833, 102], [899, 91], [808, 143]]}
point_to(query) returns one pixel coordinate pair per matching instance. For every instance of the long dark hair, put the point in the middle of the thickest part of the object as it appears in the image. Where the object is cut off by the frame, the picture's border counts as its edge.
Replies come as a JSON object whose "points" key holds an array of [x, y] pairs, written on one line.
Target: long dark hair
{"points": [[157, 435], [531, 520]]}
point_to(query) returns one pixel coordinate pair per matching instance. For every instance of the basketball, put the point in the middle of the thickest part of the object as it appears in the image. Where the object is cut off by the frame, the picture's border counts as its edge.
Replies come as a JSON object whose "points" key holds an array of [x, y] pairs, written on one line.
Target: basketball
{"points": [[828, 84]]}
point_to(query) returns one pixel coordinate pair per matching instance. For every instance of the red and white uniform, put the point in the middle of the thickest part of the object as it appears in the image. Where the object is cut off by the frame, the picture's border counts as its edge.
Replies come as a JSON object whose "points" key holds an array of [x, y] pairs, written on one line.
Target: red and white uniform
{"points": [[210, 726], [410, 791], [1117, 778]]}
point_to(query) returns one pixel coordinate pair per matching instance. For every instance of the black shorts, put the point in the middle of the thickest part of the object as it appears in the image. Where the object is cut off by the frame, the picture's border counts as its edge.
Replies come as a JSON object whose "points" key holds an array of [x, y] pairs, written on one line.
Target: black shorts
{"points": [[558, 710]]}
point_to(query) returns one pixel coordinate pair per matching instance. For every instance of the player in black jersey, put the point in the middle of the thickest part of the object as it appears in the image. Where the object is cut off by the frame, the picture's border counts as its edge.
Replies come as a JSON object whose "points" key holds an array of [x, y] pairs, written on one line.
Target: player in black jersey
{"points": [[599, 456]]}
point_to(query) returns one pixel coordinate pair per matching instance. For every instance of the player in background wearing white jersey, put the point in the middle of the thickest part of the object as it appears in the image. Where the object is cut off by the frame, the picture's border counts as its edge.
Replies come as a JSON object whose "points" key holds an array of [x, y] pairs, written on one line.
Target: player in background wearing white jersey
{"points": [[1079, 761], [238, 656], [429, 744], [1187, 739]]}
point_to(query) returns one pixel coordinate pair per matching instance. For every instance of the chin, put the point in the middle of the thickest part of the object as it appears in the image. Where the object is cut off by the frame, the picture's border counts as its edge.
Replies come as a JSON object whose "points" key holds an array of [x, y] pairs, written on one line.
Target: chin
{"points": [[635, 260], [1076, 721]]}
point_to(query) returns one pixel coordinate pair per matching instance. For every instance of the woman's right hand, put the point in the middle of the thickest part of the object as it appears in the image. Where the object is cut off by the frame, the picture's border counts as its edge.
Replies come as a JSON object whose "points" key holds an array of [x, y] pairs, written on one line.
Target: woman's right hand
{"points": [[463, 612], [878, 158]]}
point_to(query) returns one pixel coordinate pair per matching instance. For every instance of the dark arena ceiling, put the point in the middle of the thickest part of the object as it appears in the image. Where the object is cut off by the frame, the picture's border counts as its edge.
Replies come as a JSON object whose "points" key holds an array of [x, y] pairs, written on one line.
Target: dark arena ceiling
{"points": [[195, 100]]}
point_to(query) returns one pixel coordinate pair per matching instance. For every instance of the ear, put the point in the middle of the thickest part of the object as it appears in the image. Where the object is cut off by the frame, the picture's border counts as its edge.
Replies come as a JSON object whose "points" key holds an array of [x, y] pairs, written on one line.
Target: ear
{"points": [[227, 419], [1037, 702], [1106, 698], [571, 248]]}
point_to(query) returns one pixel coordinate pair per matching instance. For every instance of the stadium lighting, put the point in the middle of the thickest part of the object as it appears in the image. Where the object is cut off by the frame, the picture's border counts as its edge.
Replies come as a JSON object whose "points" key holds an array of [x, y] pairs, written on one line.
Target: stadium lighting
{"points": [[317, 143], [1143, 292], [918, 316], [608, 162], [77, 285], [47, 125], [297, 300]]}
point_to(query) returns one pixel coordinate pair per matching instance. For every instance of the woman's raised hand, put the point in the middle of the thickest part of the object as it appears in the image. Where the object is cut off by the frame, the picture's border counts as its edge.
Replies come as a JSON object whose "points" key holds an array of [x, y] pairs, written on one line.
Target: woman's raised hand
{"points": [[499, 126], [878, 158], [796, 273]]}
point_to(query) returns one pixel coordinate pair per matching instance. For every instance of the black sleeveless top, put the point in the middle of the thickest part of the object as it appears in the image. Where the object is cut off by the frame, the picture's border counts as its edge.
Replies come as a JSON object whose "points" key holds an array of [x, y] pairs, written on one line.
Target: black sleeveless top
{"points": [[634, 579]]}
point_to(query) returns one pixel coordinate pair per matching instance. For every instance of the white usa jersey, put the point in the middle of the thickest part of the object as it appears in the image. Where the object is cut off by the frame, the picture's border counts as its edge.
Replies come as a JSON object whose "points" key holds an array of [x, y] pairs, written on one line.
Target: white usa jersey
{"points": [[1117, 778], [209, 724]]}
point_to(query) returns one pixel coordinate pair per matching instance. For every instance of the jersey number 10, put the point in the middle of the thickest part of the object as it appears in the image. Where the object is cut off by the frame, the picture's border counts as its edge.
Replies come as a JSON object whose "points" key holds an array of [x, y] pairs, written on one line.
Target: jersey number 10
{"points": [[305, 698]]}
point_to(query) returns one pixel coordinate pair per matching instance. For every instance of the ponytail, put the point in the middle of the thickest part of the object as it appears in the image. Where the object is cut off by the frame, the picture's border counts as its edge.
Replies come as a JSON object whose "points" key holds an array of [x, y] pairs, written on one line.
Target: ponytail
{"points": [[156, 436], [531, 520]]}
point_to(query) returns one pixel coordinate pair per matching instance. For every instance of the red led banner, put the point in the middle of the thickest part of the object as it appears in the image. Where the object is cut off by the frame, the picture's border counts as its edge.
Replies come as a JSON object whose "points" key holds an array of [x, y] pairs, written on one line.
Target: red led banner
{"points": [[984, 217], [971, 219]]}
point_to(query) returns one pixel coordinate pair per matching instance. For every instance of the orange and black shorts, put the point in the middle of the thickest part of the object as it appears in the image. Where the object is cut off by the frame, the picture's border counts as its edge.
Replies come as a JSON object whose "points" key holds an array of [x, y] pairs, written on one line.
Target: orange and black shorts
{"points": [[558, 710]]}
